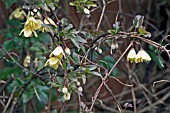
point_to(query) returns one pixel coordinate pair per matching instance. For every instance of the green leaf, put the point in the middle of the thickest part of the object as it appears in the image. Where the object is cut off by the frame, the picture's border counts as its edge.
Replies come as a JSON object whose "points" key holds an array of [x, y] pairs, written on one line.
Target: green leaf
{"points": [[138, 21], [116, 28], [75, 42], [76, 58], [27, 96], [143, 32], [8, 3], [96, 73], [79, 39], [7, 71], [91, 67], [156, 59], [8, 44]]}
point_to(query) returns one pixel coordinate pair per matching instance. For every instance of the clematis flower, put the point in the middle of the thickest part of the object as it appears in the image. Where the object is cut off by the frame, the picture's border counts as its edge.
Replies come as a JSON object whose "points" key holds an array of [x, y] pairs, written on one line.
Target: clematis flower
{"points": [[67, 96], [142, 56], [58, 52], [131, 57], [18, 13], [53, 62], [55, 58], [31, 26]]}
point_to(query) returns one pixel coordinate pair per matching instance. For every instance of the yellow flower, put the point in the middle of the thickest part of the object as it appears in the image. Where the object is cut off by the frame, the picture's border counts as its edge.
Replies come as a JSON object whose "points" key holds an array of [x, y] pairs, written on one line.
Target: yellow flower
{"points": [[30, 26], [47, 21], [53, 62], [67, 96], [18, 13], [131, 55], [58, 52], [55, 58], [142, 56]]}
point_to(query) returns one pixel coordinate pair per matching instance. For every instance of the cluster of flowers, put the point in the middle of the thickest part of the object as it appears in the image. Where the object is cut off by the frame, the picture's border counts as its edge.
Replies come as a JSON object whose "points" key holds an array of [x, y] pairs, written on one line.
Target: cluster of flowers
{"points": [[32, 23], [67, 94], [141, 56]]}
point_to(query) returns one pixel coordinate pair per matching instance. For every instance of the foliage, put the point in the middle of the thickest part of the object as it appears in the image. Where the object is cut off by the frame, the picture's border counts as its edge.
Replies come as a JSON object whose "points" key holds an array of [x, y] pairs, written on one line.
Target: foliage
{"points": [[48, 59]]}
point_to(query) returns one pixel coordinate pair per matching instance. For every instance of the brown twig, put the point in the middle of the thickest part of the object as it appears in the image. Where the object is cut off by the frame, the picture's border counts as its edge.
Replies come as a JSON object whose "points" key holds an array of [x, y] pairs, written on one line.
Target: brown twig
{"points": [[107, 75]]}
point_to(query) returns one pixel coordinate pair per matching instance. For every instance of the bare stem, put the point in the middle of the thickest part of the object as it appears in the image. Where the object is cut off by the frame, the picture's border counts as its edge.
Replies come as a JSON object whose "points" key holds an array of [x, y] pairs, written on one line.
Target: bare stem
{"points": [[107, 75]]}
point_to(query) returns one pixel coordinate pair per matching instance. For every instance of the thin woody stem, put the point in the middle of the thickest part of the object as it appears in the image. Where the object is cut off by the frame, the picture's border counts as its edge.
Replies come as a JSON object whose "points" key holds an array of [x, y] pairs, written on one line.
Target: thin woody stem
{"points": [[107, 75]]}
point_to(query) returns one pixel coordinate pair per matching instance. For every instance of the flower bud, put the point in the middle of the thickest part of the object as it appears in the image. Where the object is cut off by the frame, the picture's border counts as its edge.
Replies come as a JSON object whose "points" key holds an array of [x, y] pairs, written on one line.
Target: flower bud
{"points": [[27, 60], [99, 50], [67, 50], [78, 83], [80, 89], [64, 90], [86, 11]]}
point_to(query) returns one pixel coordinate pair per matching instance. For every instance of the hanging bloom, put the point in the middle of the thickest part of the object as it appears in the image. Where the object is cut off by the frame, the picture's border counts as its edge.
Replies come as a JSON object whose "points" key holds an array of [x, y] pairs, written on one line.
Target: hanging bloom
{"points": [[55, 58], [114, 46], [53, 62], [131, 57], [64, 90], [142, 56], [18, 13], [30, 26], [58, 52], [67, 96]]}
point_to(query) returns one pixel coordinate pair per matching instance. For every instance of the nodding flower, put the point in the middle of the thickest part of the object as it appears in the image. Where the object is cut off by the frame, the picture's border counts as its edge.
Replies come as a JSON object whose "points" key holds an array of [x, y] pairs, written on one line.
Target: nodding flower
{"points": [[18, 13], [55, 58], [31, 25], [142, 56], [131, 57]]}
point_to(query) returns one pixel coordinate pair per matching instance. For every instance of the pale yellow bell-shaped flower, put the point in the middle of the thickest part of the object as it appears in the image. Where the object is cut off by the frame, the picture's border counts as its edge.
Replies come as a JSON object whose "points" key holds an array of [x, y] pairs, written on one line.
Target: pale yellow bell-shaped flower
{"points": [[142, 56], [67, 96], [55, 58], [31, 25], [131, 57], [18, 13], [53, 62], [58, 52]]}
